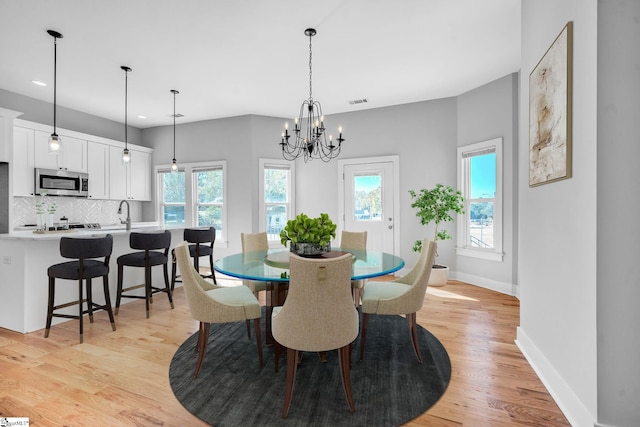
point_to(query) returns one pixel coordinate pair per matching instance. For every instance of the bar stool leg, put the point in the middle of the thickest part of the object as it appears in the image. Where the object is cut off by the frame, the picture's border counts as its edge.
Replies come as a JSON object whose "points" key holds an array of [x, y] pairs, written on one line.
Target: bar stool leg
{"points": [[89, 301], [213, 272], [148, 298], [52, 287], [119, 291], [80, 308], [173, 269], [166, 284], [107, 301]]}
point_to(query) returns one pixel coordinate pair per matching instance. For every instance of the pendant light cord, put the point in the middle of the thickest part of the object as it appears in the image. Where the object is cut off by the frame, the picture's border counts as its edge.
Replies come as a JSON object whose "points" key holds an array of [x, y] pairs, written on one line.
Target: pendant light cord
{"points": [[174, 124], [55, 85], [126, 128]]}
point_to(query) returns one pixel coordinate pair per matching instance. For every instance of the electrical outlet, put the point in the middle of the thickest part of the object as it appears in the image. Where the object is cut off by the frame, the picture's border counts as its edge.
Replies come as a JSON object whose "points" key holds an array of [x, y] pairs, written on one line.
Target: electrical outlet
{"points": [[6, 259]]}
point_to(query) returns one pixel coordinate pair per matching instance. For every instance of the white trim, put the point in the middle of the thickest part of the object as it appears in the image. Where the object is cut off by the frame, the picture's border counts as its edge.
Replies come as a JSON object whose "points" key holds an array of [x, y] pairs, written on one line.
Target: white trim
{"points": [[480, 253], [189, 213], [494, 254], [482, 282], [395, 160], [572, 408], [291, 212]]}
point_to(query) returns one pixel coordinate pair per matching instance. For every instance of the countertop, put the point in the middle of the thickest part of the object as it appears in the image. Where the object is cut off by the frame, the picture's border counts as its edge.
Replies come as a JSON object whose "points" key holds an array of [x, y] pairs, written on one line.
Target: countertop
{"points": [[115, 229]]}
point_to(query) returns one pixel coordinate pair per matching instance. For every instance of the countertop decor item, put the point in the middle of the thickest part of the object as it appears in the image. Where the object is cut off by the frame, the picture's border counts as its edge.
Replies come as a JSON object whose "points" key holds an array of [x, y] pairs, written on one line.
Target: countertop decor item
{"points": [[309, 236], [310, 139]]}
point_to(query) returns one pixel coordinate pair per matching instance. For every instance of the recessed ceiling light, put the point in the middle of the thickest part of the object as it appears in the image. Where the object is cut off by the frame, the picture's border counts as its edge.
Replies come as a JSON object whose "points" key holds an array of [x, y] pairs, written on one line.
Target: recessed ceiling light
{"points": [[38, 83], [142, 117]]}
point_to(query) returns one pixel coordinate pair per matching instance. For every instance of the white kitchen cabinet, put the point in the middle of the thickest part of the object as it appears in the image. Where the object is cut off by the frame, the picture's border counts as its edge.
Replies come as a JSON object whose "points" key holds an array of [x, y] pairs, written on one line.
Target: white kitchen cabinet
{"points": [[129, 182], [72, 158], [23, 174], [98, 169]]}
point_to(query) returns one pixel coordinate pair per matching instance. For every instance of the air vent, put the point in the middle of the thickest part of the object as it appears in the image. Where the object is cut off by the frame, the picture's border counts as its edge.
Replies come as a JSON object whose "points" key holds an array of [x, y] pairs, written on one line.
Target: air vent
{"points": [[358, 101]]}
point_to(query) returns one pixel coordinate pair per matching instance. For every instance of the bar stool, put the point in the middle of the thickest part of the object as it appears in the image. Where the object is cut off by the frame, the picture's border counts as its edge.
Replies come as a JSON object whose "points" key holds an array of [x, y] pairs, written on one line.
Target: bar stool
{"points": [[84, 267], [198, 239], [149, 255]]}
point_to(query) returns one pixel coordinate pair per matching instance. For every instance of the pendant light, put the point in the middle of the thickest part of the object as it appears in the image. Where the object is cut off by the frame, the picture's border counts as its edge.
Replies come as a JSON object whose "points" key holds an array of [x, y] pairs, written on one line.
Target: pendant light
{"points": [[126, 156], [55, 144], [174, 163]]}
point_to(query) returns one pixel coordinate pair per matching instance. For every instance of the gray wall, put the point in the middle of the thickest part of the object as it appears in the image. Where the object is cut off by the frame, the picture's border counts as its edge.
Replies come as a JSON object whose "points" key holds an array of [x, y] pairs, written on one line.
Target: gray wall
{"points": [[42, 112], [558, 221], [618, 268], [487, 112]]}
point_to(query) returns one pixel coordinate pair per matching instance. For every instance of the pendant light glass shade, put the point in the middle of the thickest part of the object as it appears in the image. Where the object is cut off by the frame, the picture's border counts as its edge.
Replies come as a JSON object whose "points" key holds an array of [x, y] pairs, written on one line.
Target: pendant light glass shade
{"points": [[55, 143], [174, 163], [126, 156]]}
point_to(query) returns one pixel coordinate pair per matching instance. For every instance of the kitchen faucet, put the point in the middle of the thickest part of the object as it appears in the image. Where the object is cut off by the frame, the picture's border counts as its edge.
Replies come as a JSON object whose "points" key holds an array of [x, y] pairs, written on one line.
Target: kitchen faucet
{"points": [[128, 220]]}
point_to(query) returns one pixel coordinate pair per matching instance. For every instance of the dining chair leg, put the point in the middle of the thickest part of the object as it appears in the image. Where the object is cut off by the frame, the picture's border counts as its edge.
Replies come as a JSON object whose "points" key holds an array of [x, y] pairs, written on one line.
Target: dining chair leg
{"points": [[203, 339], [343, 358], [248, 328], [292, 367], [413, 330], [363, 334], [256, 325], [277, 348]]}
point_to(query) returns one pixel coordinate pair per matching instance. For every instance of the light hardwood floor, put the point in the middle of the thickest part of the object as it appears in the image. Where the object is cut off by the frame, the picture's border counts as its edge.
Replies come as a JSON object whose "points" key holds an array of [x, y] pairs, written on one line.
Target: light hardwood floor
{"points": [[121, 378]]}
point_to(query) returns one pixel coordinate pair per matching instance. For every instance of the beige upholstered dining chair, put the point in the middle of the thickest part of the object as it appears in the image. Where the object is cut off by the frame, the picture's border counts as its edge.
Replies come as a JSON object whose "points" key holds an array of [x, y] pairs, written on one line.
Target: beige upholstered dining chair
{"points": [[209, 303], [318, 315], [355, 240], [401, 296], [253, 242]]}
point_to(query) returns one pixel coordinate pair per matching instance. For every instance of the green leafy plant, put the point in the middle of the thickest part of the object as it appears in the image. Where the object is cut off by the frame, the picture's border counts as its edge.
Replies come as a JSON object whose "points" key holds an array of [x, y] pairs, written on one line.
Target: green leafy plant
{"points": [[436, 205], [304, 229]]}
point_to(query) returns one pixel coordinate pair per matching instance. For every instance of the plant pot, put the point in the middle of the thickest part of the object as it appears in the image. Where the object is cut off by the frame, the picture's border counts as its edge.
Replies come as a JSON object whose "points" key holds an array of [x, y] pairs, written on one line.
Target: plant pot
{"points": [[309, 249], [439, 275]]}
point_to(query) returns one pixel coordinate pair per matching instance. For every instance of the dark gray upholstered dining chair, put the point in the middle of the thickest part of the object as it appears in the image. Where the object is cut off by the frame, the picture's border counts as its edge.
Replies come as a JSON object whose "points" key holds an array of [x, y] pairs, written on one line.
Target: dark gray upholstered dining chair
{"points": [[201, 241], [84, 267], [153, 250]]}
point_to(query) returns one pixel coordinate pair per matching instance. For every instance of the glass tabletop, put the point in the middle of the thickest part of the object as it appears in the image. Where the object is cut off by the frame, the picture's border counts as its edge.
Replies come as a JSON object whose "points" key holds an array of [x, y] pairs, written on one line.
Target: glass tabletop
{"points": [[270, 265]]}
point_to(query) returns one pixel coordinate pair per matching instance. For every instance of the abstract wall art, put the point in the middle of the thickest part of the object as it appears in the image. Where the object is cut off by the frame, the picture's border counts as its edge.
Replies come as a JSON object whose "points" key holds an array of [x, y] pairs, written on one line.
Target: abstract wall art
{"points": [[550, 112]]}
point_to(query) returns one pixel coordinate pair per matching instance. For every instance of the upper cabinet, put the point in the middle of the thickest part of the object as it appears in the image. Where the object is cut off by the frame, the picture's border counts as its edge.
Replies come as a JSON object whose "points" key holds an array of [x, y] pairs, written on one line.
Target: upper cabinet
{"points": [[98, 168], [23, 174], [130, 182], [101, 158], [72, 158]]}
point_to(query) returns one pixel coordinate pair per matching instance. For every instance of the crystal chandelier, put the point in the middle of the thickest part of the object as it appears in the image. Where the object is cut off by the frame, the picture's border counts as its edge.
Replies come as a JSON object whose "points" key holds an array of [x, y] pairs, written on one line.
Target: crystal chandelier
{"points": [[310, 140]]}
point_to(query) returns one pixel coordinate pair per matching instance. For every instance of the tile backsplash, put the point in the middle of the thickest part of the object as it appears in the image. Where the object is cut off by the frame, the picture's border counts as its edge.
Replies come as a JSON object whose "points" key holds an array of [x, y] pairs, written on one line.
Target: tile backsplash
{"points": [[77, 210]]}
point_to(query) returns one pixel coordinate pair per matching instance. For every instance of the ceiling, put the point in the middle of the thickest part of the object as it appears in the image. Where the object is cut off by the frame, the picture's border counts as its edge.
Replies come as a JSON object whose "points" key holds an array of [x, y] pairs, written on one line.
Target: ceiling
{"points": [[230, 58]]}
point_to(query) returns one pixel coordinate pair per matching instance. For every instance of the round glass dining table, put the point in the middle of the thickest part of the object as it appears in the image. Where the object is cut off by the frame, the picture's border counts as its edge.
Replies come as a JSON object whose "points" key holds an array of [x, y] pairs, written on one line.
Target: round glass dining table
{"points": [[273, 265]]}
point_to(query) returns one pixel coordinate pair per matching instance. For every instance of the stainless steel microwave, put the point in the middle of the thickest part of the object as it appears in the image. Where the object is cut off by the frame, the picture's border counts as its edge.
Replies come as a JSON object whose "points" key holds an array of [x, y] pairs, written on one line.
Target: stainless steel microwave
{"points": [[61, 183]]}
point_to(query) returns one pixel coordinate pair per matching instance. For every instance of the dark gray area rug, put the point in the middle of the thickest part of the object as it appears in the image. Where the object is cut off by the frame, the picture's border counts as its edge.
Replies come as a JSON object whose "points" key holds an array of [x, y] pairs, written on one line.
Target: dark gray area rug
{"points": [[390, 387]]}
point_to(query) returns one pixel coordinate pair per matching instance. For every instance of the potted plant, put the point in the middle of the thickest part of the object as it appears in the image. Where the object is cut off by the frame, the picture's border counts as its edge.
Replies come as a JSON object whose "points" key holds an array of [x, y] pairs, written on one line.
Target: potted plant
{"points": [[309, 236], [437, 205]]}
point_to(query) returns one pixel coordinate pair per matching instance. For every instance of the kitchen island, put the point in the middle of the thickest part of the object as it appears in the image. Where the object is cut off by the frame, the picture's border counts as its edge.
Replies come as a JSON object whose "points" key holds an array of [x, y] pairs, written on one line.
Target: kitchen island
{"points": [[25, 257]]}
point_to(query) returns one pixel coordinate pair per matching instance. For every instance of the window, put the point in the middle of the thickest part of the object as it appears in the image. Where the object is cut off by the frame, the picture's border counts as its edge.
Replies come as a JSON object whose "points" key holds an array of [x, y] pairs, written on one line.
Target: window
{"points": [[367, 196], [193, 196], [480, 181], [276, 196]]}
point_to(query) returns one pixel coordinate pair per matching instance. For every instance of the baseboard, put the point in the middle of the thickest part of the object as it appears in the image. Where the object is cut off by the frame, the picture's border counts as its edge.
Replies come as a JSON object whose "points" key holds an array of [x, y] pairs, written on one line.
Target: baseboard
{"points": [[572, 408], [483, 282]]}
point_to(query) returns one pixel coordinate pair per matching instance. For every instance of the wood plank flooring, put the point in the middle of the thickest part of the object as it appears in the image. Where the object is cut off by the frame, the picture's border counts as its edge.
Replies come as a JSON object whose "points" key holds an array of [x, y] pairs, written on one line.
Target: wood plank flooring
{"points": [[121, 378]]}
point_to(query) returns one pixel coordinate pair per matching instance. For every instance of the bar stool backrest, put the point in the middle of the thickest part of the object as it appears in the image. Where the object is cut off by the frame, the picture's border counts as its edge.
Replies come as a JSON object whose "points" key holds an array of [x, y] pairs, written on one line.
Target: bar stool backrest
{"points": [[200, 235], [80, 248], [150, 241]]}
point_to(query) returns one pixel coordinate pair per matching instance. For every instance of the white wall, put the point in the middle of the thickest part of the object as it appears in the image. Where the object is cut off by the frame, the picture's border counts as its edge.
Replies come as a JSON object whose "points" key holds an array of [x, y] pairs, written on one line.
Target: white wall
{"points": [[618, 204], [557, 232]]}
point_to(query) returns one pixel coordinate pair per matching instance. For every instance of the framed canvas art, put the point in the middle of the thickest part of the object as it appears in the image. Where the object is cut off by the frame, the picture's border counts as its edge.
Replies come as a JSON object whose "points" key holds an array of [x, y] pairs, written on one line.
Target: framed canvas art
{"points": [[550, 112]]}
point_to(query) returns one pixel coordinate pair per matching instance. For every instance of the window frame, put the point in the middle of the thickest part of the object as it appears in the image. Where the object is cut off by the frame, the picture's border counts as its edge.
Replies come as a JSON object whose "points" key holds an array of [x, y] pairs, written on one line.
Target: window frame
{"points": [[263, 164], [191, 204], [463, 220]]}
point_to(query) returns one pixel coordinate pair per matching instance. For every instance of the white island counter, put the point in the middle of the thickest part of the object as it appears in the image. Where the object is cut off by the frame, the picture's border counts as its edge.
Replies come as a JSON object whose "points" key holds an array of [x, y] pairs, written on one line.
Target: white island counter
{"points": [[25, 257]]}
